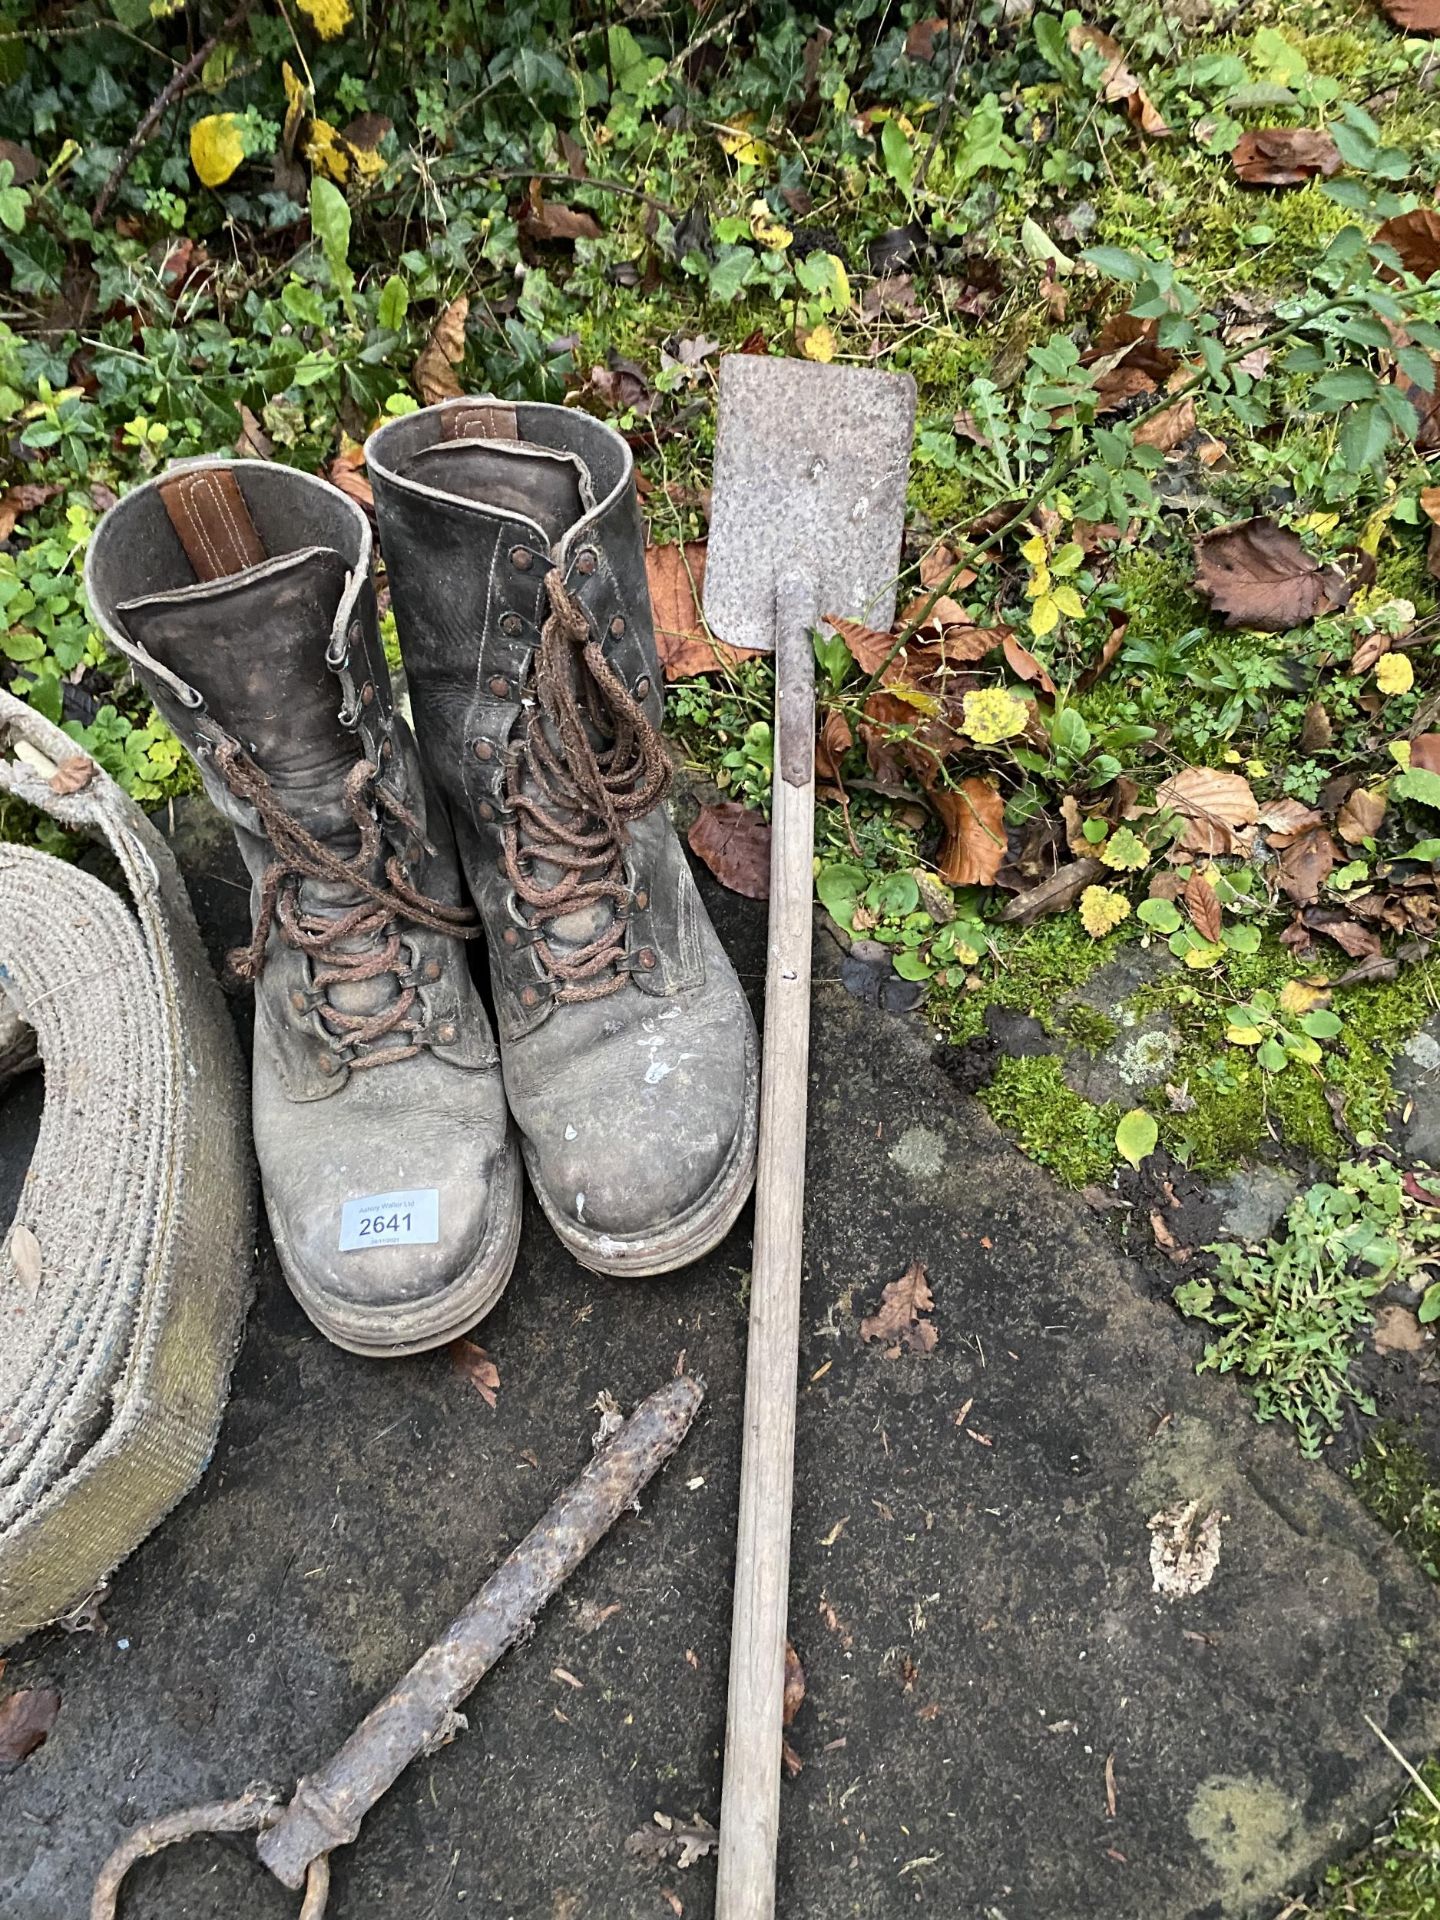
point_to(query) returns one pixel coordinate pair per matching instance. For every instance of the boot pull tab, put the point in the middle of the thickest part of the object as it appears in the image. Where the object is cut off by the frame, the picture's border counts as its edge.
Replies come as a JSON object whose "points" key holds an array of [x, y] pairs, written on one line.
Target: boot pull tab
{"points": [[479, 420], [212, 522]]}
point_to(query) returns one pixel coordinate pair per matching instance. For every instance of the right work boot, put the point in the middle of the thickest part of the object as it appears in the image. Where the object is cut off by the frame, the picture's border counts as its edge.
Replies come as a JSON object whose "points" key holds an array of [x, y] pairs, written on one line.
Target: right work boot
{"points": [[241, 592]]}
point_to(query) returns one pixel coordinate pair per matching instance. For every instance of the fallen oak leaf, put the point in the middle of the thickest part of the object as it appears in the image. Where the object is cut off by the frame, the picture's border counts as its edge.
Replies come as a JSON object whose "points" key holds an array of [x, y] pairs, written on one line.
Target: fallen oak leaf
{"points": [[1360, 817], [549, 221], [734, 843], [900, 1315], [1023, 664], [1284, 156], [26, 1718], [435, 378], [1415, 237], [675, 576], [1259, 575], [476, 1366], [1306, 864], [973, 849], [1219, 809], [1165, 430], [870, 649]]}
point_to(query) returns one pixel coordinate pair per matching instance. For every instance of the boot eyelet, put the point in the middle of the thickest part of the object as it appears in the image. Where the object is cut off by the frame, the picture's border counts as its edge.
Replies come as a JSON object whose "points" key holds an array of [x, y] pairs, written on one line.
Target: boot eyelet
{"points": [[367, 695], [646, 958], [642, 900], [642, 686], [299, 1001], [483, 750], [431, 971], [413, 853], [485, 810], [329, 1064], [500, 686], [521, 559], [387, 751], [510, 937], [585, 561], [529, 997], [511, 624], [617, 625], [446, 1035]]}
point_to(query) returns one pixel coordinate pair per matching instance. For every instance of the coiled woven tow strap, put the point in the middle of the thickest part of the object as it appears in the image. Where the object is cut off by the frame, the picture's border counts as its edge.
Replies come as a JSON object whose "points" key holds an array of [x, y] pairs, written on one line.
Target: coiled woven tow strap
{"points": [[126, 1274]]}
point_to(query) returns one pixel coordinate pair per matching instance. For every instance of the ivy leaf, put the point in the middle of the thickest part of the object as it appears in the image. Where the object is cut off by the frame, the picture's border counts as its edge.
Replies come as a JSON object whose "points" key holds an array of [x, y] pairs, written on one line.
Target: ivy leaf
{"points": [[899, 155], [217, 147], [1136, 1136]]}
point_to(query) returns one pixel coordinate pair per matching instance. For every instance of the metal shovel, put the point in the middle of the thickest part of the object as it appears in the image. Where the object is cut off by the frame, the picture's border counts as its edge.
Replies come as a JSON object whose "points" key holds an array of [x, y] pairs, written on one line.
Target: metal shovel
{"points": [[811, 465]]}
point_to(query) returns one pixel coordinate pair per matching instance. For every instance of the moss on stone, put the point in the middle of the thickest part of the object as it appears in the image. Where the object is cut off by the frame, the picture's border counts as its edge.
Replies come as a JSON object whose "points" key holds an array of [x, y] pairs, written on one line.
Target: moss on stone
{"points": [[1050, 1121], [1396, 1481], [1092, 1028]]}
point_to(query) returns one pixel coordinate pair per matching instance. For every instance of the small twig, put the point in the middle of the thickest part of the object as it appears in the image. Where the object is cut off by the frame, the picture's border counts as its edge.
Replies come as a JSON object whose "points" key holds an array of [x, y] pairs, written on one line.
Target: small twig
{"points": [[174, 89], [712, 32], [563, 179], [255, 1809], [1385, 1741]]}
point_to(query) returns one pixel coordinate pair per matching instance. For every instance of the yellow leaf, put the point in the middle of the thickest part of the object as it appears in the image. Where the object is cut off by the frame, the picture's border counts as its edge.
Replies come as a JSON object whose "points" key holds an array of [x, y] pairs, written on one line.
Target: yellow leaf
{"points": [[216, 147], [327, 152], [329, 17], [1244, 1036], [1321, 523], [1044, 616], [1033, 550], [819, 343], [993, 714], [1303, 996], [296, 103], [766, 229], [1399, 751], [1069, 601], [1203, 954], [1300, 1046], [913, 697], [1394, 673], [369, 163], [1102, 910], [1038, 583], [1369, 541], [742, 145], [842, 283]]}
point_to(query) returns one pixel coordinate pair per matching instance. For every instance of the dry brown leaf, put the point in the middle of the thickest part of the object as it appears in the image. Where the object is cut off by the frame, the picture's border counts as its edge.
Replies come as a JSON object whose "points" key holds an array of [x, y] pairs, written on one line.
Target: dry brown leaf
{"points": [[676, 577], [478, 1368], [834, 741], [900, 1316], [1425, 752], [547, 220], [1055, 894], [921, 38], [1118, 84], [73, 774], [24, 498], [1259, 575], [869, 648], [1414, 16], [1202, 903], [1219, 809], [1316, 732], [26, 1718], [254, 443], [1023, 664], [435, 369], [1397, 1330], [1167, 429], [1306, 864], [1368, 650], [1415, 237], [1111, 1798], [1284, 156], [1359, 819], [1282, 819], [973, 849], [794, 1686], [734, 843], [346, 472]]}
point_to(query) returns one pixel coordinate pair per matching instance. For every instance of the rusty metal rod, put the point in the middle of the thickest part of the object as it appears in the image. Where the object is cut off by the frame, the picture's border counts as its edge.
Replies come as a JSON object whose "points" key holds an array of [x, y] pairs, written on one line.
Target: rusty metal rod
{"points": [[418, 1714]]}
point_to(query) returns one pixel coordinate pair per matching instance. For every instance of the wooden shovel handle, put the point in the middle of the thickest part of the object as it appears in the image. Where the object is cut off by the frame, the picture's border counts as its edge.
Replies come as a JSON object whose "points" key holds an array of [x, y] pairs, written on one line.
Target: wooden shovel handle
{"points": [[750, 1801]]}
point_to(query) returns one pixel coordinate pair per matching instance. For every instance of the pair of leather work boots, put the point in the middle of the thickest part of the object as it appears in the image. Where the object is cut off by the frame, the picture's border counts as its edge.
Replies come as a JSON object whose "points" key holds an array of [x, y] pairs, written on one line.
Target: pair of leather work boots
{"points": [[242, 593]]}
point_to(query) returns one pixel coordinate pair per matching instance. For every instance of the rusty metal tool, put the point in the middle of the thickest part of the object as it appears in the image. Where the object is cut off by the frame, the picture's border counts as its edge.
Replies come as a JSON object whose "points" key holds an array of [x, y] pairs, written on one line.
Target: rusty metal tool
{"points": [[811, 464], [420, 1713]]}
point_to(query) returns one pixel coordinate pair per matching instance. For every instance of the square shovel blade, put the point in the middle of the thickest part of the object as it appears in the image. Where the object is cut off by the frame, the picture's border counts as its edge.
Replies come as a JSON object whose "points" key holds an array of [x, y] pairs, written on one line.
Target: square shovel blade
{"points": [[811, 464]]}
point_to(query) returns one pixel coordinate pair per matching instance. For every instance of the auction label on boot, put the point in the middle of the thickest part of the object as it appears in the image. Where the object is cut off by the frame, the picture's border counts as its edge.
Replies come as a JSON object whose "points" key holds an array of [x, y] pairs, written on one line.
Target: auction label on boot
{"points": [[410, 1219]]}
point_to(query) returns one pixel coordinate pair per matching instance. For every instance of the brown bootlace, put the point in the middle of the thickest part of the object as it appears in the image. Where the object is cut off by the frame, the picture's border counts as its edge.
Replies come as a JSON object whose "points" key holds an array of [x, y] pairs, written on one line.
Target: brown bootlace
{"points": [[574, 800], [371, 923]]}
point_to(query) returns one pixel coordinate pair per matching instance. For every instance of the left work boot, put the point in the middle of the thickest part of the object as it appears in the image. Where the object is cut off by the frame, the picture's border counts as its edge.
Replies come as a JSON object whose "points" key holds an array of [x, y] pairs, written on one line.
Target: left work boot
{"points": [[241, 593], [513, 546]]}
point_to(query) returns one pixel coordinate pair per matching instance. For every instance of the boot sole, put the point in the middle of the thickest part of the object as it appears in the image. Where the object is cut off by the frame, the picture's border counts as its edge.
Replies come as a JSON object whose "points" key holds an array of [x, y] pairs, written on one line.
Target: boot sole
{"points": [[693, 1233], [396, 1332]]}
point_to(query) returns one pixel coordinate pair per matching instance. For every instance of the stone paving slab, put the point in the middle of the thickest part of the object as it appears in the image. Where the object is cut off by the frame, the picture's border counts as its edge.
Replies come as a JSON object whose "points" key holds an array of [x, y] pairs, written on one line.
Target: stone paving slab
{"points": [[973, 1603]]}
